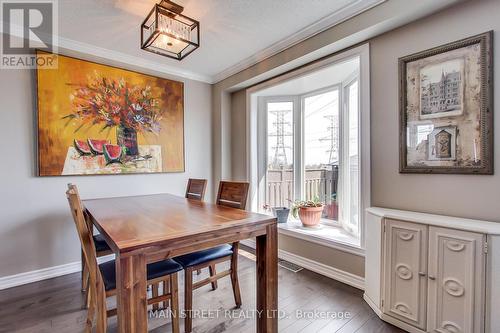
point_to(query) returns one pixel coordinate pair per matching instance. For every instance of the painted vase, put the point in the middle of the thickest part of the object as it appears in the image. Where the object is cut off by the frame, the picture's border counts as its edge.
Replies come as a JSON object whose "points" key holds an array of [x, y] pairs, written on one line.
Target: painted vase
{"points": [[127, 137]]}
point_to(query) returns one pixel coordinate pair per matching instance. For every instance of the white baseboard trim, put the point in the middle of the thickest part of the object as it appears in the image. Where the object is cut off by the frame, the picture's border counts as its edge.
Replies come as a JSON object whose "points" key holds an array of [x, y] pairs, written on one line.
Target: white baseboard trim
{"points": [[317, 267], [372, 305], [44, 273]]}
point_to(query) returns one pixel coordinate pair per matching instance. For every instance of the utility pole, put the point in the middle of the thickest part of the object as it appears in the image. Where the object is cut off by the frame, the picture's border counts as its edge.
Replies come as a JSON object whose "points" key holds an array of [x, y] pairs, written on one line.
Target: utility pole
{"points": [[333, 138], [280, 159]]}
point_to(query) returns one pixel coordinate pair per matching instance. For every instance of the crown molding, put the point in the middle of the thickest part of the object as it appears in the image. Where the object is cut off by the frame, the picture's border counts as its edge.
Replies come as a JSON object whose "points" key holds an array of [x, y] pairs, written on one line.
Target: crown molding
{"points": [[343, 14], [92, 51]]}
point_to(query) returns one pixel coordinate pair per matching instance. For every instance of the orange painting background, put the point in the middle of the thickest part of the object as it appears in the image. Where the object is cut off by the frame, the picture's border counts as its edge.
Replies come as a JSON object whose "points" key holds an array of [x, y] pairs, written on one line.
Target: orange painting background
{"points": [[56, 135]]}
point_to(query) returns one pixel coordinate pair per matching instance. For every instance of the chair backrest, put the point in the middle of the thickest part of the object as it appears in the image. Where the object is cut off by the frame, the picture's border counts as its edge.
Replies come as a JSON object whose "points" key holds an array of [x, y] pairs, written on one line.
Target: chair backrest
{"points": [[84, 233], [196, 189], [233, 194]]}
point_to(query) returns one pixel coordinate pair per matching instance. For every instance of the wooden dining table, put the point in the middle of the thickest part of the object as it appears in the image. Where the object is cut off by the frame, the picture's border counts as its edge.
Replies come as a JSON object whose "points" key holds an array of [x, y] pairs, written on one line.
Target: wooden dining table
{"points": [[151, 228]]}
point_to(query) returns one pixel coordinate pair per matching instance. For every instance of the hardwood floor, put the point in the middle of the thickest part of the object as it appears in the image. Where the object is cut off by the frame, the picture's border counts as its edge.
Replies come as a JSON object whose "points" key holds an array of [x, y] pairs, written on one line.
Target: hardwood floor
{"points": [[55, 305]]}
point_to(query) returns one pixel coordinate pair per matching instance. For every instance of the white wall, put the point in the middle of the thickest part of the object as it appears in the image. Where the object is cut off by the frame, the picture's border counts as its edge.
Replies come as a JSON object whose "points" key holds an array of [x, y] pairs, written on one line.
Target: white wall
{"points": [[36, 230]]}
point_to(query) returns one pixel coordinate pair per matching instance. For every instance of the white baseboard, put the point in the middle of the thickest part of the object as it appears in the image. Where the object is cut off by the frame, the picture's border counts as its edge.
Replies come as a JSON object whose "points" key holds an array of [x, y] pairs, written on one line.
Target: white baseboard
{"points": [[372, 305], [317, 267], [44, 273], [38, 275]]}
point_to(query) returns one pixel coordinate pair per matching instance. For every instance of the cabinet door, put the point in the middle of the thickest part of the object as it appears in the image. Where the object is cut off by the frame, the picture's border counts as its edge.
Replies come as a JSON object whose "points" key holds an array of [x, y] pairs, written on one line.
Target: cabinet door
{"points": [[405, 282], [456, 281]]}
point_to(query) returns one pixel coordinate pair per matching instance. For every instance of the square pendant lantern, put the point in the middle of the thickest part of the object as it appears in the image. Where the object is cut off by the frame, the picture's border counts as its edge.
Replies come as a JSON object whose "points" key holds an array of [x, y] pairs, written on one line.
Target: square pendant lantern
{"points": [[167, 32]]}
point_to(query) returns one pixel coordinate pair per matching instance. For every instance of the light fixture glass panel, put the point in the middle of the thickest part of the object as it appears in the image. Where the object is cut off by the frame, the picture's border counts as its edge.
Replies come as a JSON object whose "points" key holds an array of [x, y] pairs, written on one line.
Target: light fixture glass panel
{"points": [[168, 43]]}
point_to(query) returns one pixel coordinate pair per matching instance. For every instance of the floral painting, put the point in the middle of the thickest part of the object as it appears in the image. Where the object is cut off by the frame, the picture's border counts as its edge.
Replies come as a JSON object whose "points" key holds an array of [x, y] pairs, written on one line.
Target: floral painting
{"points": [[98, 119]]}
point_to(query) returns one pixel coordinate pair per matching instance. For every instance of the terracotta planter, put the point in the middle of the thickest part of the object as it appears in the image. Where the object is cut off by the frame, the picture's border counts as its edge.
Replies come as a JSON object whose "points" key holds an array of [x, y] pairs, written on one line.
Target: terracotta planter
{"points": [[332, 210], [310, 216]]}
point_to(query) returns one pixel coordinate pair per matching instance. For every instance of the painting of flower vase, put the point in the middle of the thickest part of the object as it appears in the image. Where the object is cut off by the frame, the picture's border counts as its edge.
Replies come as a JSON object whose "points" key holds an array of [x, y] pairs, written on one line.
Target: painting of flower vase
{"points": [[98, 119]]}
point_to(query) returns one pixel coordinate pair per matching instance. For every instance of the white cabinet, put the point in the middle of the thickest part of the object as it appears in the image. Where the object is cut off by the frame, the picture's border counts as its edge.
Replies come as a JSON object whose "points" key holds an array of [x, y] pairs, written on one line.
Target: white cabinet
{"points": [[405, 289], [456, 281], [432, 273]]}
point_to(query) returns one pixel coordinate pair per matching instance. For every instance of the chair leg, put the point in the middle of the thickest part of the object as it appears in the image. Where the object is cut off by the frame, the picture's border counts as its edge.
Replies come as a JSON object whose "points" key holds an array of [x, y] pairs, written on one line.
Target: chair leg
{"points": [[85, 273], [102, 319], [87, 296], [154, 292], [234, 276], [188, 299], [212, 271], [166, 290], [174, 303], [91, 309]]}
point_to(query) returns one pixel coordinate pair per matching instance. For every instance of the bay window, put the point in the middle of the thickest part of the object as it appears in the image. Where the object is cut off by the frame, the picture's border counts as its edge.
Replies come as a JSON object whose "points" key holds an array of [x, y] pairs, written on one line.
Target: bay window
{"points": [[307, 144]]}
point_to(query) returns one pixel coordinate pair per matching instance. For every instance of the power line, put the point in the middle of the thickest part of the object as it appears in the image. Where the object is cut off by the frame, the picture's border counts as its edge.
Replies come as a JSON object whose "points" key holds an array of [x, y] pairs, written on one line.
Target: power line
{"points": [[332, 137], [280, 159]]}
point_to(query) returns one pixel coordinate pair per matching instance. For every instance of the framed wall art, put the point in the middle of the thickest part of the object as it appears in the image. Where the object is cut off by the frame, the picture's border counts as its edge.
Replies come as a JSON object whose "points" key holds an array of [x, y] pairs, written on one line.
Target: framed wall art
{"points": [[98, 119], [446, 108]]}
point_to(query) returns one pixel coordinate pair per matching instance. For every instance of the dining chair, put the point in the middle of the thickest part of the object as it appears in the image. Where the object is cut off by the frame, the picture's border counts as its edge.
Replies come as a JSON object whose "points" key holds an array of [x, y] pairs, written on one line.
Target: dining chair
{"points": [[230, 194], [102, 249], [102, 277], [196, 189]]}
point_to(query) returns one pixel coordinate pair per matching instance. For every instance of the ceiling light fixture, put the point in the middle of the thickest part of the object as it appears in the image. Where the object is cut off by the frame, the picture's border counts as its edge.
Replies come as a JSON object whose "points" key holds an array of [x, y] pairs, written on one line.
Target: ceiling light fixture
{"points": [[167, 32]]}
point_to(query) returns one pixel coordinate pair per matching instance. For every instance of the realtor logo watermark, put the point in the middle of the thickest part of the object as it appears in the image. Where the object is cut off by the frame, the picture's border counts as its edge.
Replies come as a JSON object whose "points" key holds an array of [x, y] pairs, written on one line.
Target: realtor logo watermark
{"points": [[29, 29]]}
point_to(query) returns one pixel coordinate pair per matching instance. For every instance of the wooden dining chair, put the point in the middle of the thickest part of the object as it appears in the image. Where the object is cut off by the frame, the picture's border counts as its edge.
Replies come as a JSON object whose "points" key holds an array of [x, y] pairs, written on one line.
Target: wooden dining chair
{"points": [[102, 278], [230, 194], [102, 249], [196, 189]]}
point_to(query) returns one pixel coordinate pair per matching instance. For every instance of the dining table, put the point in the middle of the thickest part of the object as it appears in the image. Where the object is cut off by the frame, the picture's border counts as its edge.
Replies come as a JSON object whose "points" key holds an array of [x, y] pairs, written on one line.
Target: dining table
{"points": [[150, 228]]}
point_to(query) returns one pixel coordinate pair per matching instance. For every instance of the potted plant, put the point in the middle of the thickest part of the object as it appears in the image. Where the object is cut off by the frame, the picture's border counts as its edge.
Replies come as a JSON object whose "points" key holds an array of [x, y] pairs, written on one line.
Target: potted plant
{"points": [[309, 212], [281, 213], [332, 208]]}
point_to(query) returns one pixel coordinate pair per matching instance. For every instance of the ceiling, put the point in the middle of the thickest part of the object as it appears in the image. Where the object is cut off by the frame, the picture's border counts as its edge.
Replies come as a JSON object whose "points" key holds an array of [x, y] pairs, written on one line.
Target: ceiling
{"points": [[235, 34]]}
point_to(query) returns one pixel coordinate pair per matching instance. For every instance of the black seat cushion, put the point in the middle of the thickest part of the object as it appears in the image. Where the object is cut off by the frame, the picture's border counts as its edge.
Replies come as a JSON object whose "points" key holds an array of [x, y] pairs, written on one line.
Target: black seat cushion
{"points": [[100, 243], [200, 257], [155, 270]]}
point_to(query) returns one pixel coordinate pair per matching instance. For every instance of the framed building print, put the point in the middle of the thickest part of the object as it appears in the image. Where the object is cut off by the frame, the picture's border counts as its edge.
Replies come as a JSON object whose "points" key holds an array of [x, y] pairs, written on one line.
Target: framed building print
{"points": [[98, 119], [446, 108]]}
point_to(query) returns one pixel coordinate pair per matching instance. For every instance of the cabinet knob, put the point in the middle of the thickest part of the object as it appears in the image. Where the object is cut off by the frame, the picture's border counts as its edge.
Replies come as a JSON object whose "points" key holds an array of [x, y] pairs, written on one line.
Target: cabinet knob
{"points": [[422, 273], [432, 277]]}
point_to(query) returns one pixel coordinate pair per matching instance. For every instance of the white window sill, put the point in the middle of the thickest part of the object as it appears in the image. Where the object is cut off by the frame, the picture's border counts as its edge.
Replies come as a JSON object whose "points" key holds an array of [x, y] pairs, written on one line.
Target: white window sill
{"points": [[324, 234]]}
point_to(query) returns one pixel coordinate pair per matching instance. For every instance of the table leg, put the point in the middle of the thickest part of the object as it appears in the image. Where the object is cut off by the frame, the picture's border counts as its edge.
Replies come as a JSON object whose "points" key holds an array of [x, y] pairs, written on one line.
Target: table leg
{"points": [[131, 294], [267, 281]]}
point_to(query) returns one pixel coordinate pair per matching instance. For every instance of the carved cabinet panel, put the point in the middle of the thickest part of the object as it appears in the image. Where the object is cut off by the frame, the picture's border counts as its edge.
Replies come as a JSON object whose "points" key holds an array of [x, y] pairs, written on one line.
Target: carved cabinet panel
{"points": [[456, 281], [405, 290]]}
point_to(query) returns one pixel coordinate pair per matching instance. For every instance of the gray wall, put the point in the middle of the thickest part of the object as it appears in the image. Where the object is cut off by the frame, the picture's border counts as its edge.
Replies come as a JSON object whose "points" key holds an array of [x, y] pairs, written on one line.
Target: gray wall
{"points": [[36, 230], [474, 197]]}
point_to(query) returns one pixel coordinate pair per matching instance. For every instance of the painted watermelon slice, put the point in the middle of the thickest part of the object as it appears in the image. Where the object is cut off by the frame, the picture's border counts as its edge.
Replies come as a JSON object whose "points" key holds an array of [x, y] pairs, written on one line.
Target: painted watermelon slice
{"points": [[82, 147], [112, 153], [97, 145]]}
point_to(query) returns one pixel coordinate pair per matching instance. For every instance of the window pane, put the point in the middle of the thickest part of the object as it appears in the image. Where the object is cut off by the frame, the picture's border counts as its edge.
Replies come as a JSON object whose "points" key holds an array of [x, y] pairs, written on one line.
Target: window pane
{"points": [[321, 150], [279, 187], [353, 114]]}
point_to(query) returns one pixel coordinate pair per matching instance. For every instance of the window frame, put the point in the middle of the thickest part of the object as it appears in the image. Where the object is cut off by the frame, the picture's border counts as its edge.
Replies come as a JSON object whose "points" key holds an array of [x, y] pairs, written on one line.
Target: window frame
{"points": [[345, 210], [301, 163]]}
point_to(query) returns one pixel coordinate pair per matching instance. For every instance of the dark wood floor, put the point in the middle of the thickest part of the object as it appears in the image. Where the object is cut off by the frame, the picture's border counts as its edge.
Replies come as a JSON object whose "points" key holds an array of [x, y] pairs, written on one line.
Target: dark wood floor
{"points": [[56, 306]]}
